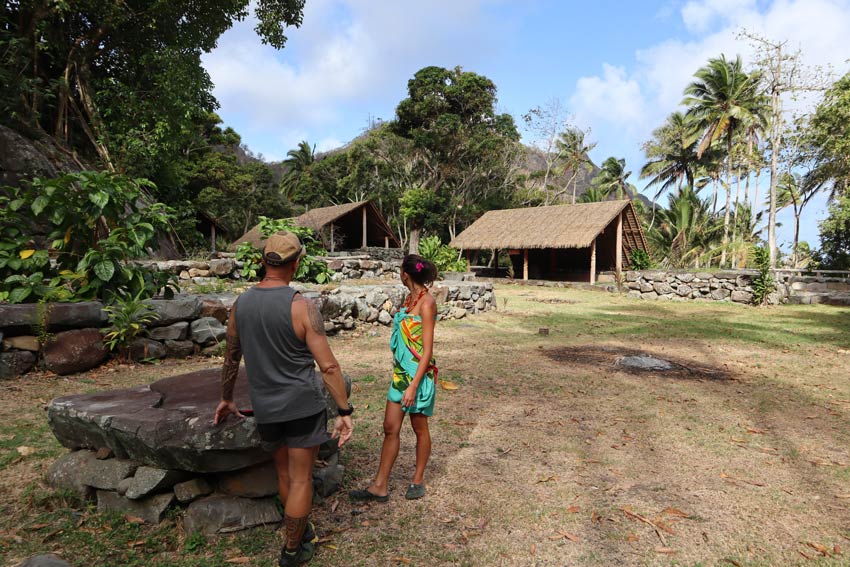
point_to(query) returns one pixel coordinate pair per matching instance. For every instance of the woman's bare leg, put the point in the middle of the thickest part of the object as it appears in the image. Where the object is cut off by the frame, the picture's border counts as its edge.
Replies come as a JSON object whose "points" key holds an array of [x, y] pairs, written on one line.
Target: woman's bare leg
{"points": [[393, 417], [419, 423]]}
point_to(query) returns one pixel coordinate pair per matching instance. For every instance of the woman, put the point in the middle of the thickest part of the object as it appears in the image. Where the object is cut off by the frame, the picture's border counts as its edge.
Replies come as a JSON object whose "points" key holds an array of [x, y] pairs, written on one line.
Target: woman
{"points": [[414, 380]]}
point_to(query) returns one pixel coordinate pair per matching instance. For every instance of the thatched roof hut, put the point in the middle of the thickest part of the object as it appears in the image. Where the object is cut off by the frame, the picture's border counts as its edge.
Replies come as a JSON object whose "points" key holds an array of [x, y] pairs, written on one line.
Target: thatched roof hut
{"points": [[341, 227], [557, 242]]}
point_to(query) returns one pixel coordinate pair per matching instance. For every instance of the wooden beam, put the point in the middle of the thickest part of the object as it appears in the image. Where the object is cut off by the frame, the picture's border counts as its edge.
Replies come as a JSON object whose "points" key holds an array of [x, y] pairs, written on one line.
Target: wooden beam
{"points": [[332, 237], [212, 237], [525, 264], [619, 265], [593, 262], [364, 227]]}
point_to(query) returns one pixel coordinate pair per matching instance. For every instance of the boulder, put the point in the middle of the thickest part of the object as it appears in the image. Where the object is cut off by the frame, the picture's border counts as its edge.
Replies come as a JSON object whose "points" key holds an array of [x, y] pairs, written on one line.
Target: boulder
{"points": [[440, 293], [107, 474], [181, 308], [149, 509], [44, 561], [720, 294], [384, 318], [222, 267], [191, 490], [253, 482], [174, 332], [703, 276], [207, 331], [220, 514], [328, 479], [74, 351], [662, 288], [15, 363], [458, 313], [741, 296], [684, 290], [22, 342], [145, 349], [211, 307], [68, 472], [179, 349], [148, 480], [686, 277], [646, 287]]}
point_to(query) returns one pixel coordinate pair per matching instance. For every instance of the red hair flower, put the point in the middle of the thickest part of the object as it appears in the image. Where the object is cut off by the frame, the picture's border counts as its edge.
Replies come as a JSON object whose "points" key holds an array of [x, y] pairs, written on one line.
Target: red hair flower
{"points": [[419, 266]]}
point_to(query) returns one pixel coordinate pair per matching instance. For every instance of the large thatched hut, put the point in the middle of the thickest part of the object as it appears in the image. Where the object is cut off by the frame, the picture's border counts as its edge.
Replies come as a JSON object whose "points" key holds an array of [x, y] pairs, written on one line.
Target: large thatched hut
{"points": [[341, 227], [561, 242]]}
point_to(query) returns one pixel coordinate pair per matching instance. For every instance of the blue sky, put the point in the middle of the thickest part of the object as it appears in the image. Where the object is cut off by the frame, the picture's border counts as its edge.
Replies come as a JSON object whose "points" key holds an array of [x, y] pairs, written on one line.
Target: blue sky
{"points": [[617, 68]]}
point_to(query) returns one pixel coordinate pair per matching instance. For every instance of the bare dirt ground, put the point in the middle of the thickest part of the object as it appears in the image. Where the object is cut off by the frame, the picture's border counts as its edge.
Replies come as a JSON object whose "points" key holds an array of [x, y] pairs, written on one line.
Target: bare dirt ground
{"points": [[551, 454]]}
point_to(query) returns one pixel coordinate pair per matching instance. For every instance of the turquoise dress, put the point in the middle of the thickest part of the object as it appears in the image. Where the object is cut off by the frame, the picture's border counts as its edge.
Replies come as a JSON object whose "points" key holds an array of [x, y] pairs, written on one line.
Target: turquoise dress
{"points": [[406, 345]]}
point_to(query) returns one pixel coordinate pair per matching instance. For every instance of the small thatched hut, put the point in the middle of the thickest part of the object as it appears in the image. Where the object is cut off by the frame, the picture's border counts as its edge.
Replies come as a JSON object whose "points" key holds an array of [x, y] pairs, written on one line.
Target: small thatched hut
{"points": [[341, 227], [562, 242]]}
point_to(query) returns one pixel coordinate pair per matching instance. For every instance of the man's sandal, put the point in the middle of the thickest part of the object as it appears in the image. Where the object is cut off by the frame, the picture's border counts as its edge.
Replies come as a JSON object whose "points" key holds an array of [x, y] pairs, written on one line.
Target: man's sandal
{"points": [[363, 495]]}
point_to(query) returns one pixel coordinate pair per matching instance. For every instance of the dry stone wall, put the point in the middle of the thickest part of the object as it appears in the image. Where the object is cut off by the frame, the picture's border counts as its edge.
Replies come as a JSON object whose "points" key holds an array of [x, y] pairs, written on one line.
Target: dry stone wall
{"points": [[71, 338]]}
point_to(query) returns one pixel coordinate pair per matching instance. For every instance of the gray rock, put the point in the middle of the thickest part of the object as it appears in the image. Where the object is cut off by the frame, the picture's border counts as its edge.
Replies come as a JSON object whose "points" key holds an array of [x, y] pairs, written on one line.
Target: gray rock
{"points": [[741, 297], [686, 277], [720, 294], [373, 315], [684, 290], [220, 514], [59, 315], [68, 472], [174, 332], [145, 349], [254, 482], [181, 308], [22, 342], [191, 490], [107, 474], [649, 295], [149, 509], [44, 561], [222, 267], [179, 349], [632, 276], [124, 486], [704, 276], [645, 362], [212, 307], [654, 275], [384, 318], [328, 479], [662, 288], [348, 324], [148, 480], [361, 309], [15, 363], [634, 294], [646, 287], [198, 273], [74, 351], [207, 331], [330, 327], [458, 313]]}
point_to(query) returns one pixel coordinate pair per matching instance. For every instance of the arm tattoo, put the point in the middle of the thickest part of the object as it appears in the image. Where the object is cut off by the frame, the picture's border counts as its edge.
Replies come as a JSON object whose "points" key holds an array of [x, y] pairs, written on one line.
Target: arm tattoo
{"points": [[316, 321], [232, 356]]}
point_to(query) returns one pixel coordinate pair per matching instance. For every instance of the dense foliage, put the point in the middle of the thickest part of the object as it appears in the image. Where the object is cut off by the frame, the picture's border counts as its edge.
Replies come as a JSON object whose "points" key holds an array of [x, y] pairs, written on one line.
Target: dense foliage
{"points": [[834, 253], [443, 256], [96, 223]]}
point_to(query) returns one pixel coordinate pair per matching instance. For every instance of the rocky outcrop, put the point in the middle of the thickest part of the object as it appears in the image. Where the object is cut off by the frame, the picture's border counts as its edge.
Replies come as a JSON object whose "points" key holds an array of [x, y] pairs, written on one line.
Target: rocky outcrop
{"points": [[74, 351]]}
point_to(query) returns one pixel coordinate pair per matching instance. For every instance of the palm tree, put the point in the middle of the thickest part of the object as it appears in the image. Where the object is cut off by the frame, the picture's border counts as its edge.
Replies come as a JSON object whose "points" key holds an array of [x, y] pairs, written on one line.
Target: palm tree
{"points": [[722, 100], [594, 194], [574, 150], [792, 191], [687, 230], [299, 162], [671, 154], [612, 178]]}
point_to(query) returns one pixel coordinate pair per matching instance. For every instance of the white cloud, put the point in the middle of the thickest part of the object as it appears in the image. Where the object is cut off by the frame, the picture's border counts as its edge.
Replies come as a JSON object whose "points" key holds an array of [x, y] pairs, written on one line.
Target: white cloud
{"points": [[701, 15], [614, 97]]}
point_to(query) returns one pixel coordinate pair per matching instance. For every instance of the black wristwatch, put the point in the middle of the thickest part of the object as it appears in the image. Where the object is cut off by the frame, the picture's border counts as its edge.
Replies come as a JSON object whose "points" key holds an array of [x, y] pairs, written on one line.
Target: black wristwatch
{"points": [[345, 412]]}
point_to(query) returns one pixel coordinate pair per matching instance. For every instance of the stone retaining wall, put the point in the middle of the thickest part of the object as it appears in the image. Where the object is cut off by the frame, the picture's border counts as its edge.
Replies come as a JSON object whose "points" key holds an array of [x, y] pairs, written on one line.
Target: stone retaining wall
{"points": [[70, 336], [735, 285]]}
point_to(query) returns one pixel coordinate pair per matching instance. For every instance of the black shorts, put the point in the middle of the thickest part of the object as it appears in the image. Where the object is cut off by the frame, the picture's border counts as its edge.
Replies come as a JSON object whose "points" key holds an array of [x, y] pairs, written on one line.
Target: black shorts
{"points": [[301, 433]]}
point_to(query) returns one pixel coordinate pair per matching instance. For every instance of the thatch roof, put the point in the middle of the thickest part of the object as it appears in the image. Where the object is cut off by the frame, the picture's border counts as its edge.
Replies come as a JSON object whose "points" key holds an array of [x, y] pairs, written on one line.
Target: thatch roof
{"points": [[558, 226], [319, 218]]}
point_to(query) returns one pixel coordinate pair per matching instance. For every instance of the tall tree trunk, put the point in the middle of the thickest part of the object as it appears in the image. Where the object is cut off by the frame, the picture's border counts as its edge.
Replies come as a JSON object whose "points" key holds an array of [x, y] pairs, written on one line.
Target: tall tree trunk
{"points": [[756, 193], [735, 221], [749, 164], [775, 142], [728, 202], [415, 233], [797, 213]]}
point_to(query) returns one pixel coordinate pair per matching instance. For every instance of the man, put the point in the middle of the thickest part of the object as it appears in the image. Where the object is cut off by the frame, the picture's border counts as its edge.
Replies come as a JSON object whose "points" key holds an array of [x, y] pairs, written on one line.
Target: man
{"points": [[282, 335]]}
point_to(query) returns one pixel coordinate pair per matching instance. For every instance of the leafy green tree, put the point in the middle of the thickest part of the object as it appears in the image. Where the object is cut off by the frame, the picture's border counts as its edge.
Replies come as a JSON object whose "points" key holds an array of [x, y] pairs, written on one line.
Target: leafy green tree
{"points": [[595, 194], [834, 253], [121, 82], [671, 155], [686, 232], [722, 101], [828, 138], [299, 161], [791, 192], [458, 141], [612, 178], [575, 149]]}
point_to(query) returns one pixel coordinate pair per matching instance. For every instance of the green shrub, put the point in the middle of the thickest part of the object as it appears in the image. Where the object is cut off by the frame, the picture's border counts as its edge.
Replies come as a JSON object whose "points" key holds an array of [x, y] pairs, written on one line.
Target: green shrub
{"points": [[640, 260], [763, 284], [128, 318], [309, 269], [446, 258]]}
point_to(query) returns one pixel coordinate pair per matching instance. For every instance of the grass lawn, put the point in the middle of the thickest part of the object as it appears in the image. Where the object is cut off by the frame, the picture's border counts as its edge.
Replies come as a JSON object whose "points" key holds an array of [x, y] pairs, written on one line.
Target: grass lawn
{"points": [[548, 453]]}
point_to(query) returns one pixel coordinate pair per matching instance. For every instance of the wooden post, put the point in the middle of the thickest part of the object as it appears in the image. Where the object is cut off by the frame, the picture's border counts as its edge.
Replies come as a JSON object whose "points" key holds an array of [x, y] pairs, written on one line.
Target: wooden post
{"points": [[212, 238], [364, 227], [593, 262], [619, 264], [332, 237], [386, 241], [525, 264]]}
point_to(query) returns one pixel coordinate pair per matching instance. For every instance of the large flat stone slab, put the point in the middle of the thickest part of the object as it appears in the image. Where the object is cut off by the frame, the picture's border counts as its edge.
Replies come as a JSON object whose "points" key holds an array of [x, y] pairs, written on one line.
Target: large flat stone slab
{"points": [[167, 424], [59, 315]]}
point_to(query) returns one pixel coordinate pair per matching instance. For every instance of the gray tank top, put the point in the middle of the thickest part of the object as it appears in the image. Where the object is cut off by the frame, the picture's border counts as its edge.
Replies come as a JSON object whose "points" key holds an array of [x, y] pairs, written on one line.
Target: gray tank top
{"points": [[284, 384]]}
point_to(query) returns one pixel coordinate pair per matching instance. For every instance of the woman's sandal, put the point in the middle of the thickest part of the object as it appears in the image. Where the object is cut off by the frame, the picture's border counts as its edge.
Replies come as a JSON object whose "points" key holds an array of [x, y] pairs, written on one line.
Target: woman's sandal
{"points": [[415, 491], [363, 495]]}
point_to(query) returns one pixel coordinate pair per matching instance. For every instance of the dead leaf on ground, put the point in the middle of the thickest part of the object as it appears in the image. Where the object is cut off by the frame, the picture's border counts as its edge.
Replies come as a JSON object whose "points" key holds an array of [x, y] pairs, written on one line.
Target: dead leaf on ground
{"points": [[665, 550], [241, 560], [137, 543], [547, 479], [404, 560], [822, 549], [448, 385], [25, 451], [561, 534], [632, 537], [756, 430], [134, 519], [573, 509], [533, 549], [732, 561], [675, 512]]}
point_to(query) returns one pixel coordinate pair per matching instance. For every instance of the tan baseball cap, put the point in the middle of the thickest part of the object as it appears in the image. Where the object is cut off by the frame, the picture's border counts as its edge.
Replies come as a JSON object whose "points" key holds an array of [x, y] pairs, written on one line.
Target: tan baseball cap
{"points": [[282, 247]]}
